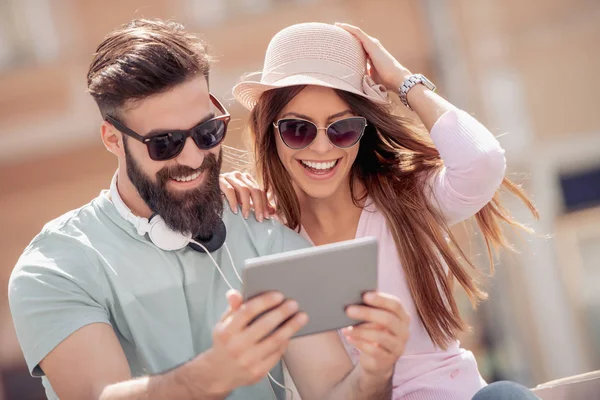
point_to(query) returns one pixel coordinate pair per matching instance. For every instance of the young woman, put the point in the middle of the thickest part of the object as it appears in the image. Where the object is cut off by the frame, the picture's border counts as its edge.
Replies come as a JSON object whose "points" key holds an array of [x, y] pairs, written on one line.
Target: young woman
{"points": [[340, 165]]}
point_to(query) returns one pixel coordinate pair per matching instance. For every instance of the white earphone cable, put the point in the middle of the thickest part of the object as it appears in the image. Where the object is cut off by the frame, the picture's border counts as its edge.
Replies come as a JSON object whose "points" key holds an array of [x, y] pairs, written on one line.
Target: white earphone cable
{"points": [[232, 264], [288, 390]]}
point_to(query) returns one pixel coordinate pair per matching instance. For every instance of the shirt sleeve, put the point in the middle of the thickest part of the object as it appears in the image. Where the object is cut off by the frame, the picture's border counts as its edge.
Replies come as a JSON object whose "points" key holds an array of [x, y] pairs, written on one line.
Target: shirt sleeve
{"points": [[474, 166], [53, 291]]}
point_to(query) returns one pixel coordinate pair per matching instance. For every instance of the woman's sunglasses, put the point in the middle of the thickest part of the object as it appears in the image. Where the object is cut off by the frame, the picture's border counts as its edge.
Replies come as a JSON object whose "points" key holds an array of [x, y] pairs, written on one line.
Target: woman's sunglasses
{"points": [[298, 133], [166, 145]]}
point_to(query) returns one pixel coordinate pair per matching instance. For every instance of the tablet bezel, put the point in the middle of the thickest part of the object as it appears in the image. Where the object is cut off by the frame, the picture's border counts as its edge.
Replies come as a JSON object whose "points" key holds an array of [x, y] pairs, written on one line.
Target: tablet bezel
{"points": [[307, 276]]}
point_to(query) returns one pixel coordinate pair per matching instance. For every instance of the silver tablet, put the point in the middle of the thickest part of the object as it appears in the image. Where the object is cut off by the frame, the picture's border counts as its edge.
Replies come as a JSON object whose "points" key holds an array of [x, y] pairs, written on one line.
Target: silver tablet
{"points": [[324, 280]]}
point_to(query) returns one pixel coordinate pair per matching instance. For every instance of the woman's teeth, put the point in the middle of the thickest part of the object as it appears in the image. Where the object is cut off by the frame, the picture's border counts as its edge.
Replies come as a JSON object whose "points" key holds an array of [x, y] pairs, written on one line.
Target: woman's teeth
{"points": [[187, 178], [320, 166]]}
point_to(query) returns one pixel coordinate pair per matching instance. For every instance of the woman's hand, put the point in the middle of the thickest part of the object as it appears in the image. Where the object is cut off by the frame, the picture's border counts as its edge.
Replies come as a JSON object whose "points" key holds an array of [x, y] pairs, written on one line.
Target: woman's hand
{"points": [[241, 189], [383, 336], [384, 68]]}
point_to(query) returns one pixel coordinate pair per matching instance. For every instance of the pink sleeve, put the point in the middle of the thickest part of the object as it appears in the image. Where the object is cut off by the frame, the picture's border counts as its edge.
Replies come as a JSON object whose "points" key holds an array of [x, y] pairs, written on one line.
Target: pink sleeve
{"points": [[474, 166]]}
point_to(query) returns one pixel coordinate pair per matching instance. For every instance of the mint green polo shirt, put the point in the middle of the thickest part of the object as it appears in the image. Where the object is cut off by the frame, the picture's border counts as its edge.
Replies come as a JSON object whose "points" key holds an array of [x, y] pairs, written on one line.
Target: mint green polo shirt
{"points": [[91, 266]]}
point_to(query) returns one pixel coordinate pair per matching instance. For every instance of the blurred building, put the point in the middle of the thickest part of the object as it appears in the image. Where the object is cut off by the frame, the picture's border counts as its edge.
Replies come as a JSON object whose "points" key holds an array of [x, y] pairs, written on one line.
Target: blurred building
{"points": [[528, 71], [525, 69]]}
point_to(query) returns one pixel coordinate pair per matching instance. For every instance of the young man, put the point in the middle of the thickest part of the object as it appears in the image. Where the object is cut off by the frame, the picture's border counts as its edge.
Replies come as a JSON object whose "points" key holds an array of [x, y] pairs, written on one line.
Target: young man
{"points": [[108, 300]]}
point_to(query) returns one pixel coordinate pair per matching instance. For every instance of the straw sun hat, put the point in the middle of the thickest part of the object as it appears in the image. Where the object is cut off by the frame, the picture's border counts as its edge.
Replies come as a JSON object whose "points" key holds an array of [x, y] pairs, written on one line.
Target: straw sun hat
{"points": [[313, 54]]}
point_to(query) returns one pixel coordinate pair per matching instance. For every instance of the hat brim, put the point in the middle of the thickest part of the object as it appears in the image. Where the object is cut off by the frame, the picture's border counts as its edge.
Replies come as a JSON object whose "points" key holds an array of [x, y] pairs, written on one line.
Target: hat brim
{"points": [[248, 92]]}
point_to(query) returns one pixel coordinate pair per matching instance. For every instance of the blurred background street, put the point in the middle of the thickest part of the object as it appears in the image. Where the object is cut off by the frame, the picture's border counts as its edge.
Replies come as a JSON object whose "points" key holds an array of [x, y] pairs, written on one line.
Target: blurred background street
{"points": [[527, 69]]}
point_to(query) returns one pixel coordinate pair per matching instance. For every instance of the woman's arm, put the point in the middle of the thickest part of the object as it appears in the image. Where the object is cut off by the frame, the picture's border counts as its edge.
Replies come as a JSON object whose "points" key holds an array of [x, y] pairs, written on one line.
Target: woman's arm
{"points": [[474, 163]]}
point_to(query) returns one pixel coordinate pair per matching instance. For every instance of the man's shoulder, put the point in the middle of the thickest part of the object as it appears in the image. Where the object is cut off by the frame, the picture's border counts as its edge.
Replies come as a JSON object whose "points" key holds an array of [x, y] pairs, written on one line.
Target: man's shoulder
{"points": [[250, 228], [61, 239], [267, 237], [86, 216]]}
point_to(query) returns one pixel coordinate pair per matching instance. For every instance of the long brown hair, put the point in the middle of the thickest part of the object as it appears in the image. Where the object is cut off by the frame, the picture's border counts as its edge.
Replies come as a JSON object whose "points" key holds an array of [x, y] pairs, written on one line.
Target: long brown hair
{"points": [[393, 163]]}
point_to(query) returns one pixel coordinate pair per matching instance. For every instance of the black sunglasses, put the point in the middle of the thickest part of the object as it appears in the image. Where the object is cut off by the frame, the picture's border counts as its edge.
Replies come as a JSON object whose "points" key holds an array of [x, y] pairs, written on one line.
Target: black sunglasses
{"points": [[166, 145], [298, 133]]}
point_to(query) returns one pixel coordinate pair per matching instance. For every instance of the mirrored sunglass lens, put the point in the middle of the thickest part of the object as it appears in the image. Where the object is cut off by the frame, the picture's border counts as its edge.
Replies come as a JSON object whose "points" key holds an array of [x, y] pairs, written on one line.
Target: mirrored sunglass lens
{"points": [[164, 147], [209, 134], [346, 132], [297, 134]]}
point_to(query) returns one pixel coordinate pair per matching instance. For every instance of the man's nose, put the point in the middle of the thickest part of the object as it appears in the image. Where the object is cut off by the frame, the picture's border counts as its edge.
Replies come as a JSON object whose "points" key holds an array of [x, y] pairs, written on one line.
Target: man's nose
{"points": [[191, 155]]}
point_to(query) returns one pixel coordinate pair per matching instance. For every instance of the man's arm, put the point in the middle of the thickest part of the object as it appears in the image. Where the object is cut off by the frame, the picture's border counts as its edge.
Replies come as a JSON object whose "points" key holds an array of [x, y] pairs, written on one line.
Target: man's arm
{"points": [[90, 363], [63, 325]]}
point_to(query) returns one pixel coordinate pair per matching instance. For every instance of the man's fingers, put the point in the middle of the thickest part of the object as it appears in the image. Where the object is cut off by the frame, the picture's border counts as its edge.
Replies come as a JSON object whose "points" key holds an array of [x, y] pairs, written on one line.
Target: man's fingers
{"points": [[265, 336], [235, 300], [268, 322], [254, 307], [276, 342], [234, 321]]}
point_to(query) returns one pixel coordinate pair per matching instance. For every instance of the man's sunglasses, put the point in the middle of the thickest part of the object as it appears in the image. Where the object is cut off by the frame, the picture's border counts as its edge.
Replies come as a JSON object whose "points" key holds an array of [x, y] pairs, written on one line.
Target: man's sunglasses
{"points": [[298, 133], [166, 145]]}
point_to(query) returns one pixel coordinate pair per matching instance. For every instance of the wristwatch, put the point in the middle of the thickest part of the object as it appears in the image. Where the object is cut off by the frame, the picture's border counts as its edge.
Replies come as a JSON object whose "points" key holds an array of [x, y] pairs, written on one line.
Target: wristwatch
{"points": [[410, 82]]}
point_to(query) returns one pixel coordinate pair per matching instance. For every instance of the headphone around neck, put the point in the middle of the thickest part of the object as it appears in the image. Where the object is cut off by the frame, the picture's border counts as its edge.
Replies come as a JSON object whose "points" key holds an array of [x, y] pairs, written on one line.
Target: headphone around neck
{"points": [[160, 234]]}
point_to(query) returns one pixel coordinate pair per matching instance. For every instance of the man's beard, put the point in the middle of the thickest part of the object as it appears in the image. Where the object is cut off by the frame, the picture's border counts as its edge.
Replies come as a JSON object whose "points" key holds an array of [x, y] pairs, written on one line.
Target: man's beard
{"points": [[197, 211]]}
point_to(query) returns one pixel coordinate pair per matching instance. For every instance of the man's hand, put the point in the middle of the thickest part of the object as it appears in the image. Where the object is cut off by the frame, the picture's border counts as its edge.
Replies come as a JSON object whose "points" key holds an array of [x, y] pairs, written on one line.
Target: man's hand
{"points": [[246, 352], [383, 336]]}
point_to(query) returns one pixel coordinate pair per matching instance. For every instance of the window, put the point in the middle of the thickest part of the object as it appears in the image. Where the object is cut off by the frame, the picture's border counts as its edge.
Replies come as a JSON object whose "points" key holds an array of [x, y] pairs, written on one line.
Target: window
{"points": [[581, 190]]}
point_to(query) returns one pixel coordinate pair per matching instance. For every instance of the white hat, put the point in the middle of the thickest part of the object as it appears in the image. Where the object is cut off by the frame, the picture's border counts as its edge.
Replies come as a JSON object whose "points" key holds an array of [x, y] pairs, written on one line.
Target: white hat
{"points": [[313, 54]]}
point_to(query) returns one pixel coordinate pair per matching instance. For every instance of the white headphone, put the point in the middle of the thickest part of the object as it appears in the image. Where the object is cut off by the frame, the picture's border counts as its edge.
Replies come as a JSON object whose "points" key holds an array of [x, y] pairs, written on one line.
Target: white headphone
{"points": [[160, 234], [167, 239]]}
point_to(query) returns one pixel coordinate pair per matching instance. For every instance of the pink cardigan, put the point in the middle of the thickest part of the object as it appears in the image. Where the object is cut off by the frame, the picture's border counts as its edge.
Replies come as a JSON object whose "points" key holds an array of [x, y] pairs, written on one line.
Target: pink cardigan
{"points": [[474, 167]]}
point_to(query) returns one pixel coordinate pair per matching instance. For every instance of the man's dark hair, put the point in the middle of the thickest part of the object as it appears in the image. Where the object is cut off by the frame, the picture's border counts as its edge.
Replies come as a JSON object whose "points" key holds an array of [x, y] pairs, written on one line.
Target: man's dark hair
{"points": [[143, 58]]}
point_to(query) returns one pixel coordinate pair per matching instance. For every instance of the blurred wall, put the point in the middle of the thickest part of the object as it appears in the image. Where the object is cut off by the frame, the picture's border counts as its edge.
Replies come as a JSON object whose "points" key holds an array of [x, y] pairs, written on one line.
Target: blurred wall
{"points": [[525, 69]]}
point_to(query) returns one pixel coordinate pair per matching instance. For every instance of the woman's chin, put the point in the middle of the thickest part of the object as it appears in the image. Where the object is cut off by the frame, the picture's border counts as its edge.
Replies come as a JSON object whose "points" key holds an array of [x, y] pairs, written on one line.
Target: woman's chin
{"points": [[322, 186], [321, 190]]}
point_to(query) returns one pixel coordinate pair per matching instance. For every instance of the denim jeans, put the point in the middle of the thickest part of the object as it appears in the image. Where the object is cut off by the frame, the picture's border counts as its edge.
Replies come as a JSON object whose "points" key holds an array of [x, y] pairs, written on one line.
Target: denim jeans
{"points": [[505, 390]]}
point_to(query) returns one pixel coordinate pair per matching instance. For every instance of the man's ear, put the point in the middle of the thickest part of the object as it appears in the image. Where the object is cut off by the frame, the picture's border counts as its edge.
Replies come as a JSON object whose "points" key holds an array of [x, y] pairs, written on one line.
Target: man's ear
{"points": [[112, 139]]}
